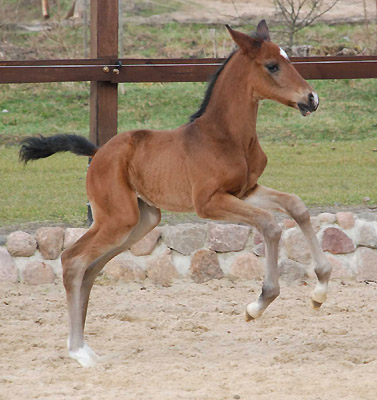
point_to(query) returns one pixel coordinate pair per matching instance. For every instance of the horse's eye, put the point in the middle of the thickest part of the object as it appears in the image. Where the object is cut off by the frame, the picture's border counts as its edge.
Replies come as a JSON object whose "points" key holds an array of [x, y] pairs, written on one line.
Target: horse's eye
{"points": [[272, 67]]}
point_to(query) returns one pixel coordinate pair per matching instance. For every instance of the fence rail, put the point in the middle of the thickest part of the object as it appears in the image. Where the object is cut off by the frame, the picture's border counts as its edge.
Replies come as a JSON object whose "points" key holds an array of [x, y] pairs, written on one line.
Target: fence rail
{"points": [[169, 70]]}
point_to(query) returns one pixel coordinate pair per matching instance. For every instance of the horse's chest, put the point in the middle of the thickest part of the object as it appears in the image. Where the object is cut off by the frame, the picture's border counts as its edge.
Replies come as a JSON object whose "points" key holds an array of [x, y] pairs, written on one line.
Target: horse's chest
{"points": [[248, 178]]}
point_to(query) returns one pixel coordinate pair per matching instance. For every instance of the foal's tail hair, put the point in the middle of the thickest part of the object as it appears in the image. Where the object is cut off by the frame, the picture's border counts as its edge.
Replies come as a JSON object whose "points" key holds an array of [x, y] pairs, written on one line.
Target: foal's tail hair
{"points": [[35, 147]]}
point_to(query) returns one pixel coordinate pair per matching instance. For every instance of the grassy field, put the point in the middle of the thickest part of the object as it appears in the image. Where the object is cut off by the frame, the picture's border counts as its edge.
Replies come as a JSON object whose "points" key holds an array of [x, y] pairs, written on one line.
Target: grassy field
{"points": [[347, 110], [329, 158]]}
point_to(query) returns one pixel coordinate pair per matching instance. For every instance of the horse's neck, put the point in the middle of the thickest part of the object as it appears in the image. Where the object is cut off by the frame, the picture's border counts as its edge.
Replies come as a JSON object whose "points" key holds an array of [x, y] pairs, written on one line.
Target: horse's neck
{"points": [[232, 109]]}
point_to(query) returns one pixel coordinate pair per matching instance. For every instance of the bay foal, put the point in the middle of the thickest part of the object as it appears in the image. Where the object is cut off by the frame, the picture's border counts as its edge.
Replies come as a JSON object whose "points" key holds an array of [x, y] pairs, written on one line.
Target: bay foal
{"points": [[210, 165]]}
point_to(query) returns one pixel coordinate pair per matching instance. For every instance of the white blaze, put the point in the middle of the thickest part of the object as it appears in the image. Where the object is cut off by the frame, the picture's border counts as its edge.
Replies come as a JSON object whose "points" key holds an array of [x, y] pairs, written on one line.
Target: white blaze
{"points": [[315, 99], [284, 54]]}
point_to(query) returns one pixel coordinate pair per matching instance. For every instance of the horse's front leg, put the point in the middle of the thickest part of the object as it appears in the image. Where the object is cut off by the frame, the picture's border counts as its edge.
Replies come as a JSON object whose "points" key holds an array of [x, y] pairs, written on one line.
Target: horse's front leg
{"points": [[223, 206], [292, 205]]}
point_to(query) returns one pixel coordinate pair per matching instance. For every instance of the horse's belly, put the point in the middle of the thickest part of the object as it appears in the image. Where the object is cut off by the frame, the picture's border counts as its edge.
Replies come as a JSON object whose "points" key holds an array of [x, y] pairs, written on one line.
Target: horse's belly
{"points": [[170, 192]]}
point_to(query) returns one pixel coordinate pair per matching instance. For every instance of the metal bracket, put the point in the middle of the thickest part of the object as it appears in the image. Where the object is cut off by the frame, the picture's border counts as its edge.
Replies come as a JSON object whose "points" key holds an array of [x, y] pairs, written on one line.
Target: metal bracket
{"points": [[118, 66]]}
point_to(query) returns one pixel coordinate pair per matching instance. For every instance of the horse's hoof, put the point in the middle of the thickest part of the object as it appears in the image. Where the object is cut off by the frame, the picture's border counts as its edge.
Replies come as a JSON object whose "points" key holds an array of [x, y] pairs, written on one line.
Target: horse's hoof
{"points": [[316, 305], [248, 317], [85, 356], [252, 312]]}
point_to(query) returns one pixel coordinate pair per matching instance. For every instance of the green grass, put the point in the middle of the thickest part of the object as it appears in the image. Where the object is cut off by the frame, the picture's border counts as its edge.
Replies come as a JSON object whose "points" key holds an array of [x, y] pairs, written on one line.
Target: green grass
{"points": [[48, 190], [347, 110], [341, 173], [44, 108]]}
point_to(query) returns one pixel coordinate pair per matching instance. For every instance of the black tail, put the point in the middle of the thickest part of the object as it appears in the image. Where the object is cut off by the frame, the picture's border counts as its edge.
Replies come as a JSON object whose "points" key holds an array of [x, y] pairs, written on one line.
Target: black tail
{"points": [[33, 148]]}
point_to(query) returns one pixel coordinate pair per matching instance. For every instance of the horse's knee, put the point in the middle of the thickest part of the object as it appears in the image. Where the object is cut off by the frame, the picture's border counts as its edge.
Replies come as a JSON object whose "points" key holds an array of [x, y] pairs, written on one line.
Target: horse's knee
{"points": [[298, 210], [272, 231], [71, 270]]}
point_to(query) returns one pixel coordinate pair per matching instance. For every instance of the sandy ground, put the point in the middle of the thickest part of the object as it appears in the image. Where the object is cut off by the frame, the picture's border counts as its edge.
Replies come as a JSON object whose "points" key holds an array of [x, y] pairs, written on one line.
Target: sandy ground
{"points": [[190, 341]]}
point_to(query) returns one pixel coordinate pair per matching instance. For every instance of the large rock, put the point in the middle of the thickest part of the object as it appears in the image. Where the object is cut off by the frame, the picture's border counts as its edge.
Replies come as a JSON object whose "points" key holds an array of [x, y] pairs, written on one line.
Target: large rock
{"points": [[336, 241], [37, 273], [224, 238], [205, 266], [296, 247], [72, 235], [124, 269], [50, 242], [366, 264], [291, 271], [345, 219], [247, 266], [146, 245], [302, 50], [327, 218], [161, 270], [8, 269], [367, 235], [185, 238], [21, 244]]}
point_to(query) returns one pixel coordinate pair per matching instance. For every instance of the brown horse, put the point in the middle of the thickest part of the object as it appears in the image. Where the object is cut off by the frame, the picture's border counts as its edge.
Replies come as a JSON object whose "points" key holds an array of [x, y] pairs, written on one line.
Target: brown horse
{"points": [[210, 165]]}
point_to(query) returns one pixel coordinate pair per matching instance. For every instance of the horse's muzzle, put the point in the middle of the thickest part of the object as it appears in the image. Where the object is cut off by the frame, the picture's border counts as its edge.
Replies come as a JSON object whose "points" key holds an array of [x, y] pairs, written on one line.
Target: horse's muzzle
{"points": [[310, 106]]}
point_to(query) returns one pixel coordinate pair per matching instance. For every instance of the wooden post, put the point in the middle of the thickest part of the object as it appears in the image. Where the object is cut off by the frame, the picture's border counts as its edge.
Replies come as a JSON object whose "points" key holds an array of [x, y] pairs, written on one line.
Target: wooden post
{"points": [[103, 95]]}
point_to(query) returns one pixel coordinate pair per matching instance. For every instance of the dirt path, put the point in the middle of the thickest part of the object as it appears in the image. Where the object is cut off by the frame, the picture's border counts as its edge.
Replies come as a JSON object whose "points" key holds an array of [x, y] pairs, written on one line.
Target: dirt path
{"points": [[190, 341], [226, 11]]}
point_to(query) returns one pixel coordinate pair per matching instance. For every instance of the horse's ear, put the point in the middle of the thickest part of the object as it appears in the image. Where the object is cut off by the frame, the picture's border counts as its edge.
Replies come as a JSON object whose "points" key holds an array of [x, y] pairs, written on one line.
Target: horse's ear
{"points": [[262, 31], [246, 43]]}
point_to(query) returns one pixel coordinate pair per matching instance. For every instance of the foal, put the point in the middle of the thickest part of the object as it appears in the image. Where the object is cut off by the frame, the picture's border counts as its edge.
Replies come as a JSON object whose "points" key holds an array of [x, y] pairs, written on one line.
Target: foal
{"points": [[210, 165]]}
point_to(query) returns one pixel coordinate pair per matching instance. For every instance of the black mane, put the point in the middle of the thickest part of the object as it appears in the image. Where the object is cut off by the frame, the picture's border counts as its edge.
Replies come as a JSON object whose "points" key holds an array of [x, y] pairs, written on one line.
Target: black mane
{"points": [[213, 80], [209, 91]]}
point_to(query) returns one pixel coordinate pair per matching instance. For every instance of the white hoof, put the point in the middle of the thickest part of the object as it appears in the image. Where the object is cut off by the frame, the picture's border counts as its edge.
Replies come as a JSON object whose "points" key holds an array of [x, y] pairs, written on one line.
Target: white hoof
{"points": [[85, 356], [319, 294], [253, 311]]}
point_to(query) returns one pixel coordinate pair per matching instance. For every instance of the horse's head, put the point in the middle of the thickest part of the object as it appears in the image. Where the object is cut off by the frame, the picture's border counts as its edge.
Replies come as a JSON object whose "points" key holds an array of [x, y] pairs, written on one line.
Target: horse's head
{"points": [[272, 75]]}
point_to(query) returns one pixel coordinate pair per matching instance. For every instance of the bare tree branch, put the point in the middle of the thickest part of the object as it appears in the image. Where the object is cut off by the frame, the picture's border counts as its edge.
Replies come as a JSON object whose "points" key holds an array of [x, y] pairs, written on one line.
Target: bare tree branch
{"points": [[236, 9], [294, 16]]}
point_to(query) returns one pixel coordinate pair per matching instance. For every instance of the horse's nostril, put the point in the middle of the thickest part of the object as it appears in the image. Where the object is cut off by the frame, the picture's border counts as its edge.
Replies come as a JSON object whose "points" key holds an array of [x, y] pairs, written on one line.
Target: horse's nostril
{"points": [[313, 101]]}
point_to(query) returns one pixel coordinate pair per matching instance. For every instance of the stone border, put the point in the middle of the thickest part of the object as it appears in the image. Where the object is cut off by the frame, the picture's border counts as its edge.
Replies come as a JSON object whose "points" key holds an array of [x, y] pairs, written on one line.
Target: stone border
{"points": [[202, 252]]}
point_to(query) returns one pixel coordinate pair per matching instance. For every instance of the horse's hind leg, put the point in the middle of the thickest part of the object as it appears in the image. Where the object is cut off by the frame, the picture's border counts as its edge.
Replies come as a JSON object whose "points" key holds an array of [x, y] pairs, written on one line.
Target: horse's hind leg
{"points": [[149, 218], [92, 250], [292, 205], [84, 260]]}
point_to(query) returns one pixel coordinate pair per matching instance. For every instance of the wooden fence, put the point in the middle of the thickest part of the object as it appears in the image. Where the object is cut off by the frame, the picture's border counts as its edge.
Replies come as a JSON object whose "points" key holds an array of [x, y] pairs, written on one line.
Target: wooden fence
{"points": [[105, 70]]}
